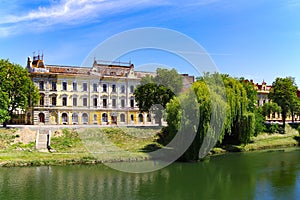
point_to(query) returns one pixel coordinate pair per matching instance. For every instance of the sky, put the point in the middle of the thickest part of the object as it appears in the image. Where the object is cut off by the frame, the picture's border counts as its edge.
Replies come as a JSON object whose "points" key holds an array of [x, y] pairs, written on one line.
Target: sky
{"points": [[258, 40]]}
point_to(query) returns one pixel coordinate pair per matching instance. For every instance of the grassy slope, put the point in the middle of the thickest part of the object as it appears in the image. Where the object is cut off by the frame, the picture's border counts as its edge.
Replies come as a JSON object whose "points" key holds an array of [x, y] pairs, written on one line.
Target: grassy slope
{"points": [[80, 146], [111, 144], [265, 141]]}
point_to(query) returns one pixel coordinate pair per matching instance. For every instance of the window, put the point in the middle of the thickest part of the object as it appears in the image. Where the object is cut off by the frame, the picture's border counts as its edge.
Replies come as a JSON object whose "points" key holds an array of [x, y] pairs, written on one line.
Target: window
{"points": [[131, 89], [148, 118], [64, 85], [42, 100], [122, 88], [95, 117], [104, 117], [84, 101], [74, 86], [131, 118], [64, 101], [53, 86], [113, 87], [74, 101], [122, 103], [122, 118], [104, 103], [114, 103], [41, 85], [95, 86], [84, 87], [104, 88], [42, 117], [95, 102], [53, 101], [141, 118], [85, 118], [132, 103], [75, 118], [64, 117]]}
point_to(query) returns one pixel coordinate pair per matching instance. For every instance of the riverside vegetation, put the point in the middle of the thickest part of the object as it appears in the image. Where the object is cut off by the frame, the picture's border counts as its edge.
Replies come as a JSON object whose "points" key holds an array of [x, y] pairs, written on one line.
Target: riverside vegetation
{"points": [[71, 148], [237, 124]]}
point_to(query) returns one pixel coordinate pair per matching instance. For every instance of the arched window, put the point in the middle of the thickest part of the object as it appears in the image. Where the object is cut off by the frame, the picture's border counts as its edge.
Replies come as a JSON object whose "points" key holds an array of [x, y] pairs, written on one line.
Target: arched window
{"points": [[85, 118], [122, 117], [75, 118], [42, 99], [131, 117], [42, 118], [141, 118], [148, 118], [104, 117], [64, 117]]}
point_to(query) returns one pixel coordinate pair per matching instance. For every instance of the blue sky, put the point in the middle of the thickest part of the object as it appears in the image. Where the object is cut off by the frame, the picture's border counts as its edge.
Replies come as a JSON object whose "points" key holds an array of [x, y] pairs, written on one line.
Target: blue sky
{"points": [[258, 39]]}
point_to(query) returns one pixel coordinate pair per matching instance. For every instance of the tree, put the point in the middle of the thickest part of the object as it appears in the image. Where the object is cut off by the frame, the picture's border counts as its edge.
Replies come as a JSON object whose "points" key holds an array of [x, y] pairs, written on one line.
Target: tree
{"points": [[168, 78], [295, 108], [150, 96], [270, 108], [284, 93], [17, 91], [233, 114], [158, 90]]}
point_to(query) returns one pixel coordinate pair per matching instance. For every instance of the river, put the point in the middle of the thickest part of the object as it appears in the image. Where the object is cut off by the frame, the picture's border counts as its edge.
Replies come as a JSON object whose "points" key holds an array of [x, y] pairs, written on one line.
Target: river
{"points": [[256, 175]]}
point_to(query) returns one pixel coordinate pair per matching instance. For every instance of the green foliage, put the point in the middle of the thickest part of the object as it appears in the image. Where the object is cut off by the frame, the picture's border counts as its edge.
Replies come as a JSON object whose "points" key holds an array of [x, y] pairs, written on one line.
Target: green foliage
{"points": [[284, 93], [272, 128], [170, 79], [247, 128], [16, 89], [236, 114], [251, 94], [269, 108], [259, 121], [155, 92], [150, 94]]}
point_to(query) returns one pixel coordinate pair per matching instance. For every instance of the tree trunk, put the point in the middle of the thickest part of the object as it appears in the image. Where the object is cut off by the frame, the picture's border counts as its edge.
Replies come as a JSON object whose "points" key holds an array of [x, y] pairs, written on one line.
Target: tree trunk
{"points": [[283, 122], [4, 124]]}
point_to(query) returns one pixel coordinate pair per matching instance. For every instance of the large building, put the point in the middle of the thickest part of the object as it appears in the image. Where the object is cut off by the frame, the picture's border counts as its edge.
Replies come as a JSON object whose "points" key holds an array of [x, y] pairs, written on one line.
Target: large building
{"points": [[101, 94]]}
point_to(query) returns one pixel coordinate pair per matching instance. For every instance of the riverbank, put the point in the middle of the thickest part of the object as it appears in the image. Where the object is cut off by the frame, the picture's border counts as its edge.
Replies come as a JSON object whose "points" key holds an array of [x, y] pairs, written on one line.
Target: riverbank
{"points": [[100, 145], [80, 146], [264, 141]]}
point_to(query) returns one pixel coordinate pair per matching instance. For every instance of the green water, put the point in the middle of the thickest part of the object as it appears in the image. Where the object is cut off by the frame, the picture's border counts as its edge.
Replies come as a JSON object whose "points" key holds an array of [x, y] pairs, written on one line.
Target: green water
{"points": [[263, 175]]}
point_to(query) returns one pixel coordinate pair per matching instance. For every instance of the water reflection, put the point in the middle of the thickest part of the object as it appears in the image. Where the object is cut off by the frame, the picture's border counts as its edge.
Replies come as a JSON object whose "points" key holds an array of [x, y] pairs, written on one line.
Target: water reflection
{"points": [[273, 175]]}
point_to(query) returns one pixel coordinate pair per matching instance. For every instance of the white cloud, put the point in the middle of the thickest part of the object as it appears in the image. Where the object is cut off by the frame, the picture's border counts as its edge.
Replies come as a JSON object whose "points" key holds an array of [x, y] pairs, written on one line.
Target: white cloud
{"points": [[69, 12]]}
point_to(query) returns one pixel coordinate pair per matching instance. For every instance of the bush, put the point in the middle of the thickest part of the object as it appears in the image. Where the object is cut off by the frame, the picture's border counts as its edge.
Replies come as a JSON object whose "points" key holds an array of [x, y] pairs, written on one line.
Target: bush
{"points": [[272, 128]]}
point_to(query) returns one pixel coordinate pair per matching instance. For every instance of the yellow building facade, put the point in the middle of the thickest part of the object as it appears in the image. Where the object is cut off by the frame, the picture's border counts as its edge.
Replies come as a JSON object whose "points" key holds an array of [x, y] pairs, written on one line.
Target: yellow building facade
{"points": [[97, 95]]}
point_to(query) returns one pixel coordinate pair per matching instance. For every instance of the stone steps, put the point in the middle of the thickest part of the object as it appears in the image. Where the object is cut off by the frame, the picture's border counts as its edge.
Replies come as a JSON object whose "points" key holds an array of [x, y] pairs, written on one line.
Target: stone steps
{"points": [[43, 139]]}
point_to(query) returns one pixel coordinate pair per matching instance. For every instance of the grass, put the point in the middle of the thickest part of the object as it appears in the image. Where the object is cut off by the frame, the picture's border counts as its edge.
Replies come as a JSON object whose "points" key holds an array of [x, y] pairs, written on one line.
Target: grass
{"points": [[268, 141], [265, 141], [81, 146], [97, 145]]}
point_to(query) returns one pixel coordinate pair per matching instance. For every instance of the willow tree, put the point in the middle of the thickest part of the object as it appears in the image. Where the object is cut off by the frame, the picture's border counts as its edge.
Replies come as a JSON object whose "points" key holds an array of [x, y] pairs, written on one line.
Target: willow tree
{"points": [[240, 120], [222, 119], [198, 113]]}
